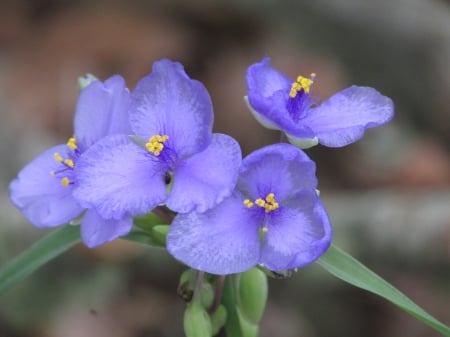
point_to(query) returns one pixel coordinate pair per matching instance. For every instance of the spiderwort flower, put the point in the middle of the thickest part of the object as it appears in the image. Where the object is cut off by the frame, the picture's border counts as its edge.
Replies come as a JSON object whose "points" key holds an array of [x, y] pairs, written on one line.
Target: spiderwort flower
{"points": [[43, 190], [173, 159], [274, 218], [280, 103]]}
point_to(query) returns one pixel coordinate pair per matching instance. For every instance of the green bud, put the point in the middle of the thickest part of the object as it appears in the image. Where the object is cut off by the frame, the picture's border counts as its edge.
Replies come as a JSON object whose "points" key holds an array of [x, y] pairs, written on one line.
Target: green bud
{"points": [[196, 321], [252, 293], [248, 328], [187, 284], [206, 295], [84, 81], [218, 319], [159, 233]]}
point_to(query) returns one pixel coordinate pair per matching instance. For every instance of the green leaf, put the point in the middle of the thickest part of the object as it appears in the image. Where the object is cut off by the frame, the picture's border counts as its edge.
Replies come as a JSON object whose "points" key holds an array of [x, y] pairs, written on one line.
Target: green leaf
{"points": [[348, 269], [142, 237], [232, 326], [49, 247]]}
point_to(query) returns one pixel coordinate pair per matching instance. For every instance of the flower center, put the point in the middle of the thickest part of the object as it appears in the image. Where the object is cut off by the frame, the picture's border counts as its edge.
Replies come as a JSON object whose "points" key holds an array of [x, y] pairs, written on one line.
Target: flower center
{"points": [[67, 163], [268, 203], [298, 100], [156, 144], [302, 83]]}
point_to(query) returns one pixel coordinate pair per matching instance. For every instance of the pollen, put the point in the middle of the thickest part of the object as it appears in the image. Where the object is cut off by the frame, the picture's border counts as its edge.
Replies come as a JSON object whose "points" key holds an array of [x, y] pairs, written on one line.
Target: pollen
{"points": [[269, 203], [302, 83], [248, 203], [57, 157], [156, 144], [65, 181], [69, 163], [72, 143]]}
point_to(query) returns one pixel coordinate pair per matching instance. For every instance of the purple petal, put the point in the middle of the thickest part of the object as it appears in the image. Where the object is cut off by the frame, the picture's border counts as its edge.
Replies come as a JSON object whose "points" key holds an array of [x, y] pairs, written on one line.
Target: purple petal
{"points": [[343, 118], [119, 178], [223, 240], [281, 169], [168, 102], [205, 179], [41, 197], [96, 231], [102, 110], [299, 232], [264, 81], [268, 92]]}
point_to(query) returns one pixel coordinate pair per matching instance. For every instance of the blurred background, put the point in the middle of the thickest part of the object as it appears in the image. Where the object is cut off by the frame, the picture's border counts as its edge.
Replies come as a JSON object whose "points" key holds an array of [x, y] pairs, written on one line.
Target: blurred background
{"points": [[388, 195]]}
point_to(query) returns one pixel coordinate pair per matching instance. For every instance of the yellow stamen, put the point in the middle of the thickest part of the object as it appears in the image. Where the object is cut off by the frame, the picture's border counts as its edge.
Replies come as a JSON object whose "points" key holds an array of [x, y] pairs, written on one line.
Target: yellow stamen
{"points": [[156, 144], [302, 83], [69, 162], [72, 143], [269, 204], [248, 203], [65, 181], [57, 157]]}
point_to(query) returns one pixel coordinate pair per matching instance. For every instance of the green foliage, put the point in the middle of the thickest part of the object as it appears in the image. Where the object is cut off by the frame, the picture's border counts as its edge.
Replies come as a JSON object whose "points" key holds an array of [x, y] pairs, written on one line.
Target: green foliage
{"points": [[348, 269]]}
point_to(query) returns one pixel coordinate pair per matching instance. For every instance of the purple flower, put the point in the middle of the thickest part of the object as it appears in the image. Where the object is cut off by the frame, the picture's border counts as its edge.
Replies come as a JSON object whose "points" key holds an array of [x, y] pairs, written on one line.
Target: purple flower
{"points": [[173, 159], [273, 218], [43, 190], [280, 103]]}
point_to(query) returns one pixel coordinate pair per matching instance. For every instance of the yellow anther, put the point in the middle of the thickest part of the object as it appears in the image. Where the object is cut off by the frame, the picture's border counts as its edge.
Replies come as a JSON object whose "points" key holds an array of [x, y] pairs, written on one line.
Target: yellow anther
{"points": [[248, 203], [270, 198], [302, 83], [260, 202], [69, 162], [57, 157], [155, 144], [269, 204], [264, 230], [65, 181], [72, 143]]}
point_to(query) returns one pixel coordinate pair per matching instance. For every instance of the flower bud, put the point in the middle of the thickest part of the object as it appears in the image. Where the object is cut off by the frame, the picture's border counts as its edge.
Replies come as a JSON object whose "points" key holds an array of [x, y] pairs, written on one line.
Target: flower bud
{"points": [[187, 284], [206, 294], [218, 319], [252, 292], [196, 321]]}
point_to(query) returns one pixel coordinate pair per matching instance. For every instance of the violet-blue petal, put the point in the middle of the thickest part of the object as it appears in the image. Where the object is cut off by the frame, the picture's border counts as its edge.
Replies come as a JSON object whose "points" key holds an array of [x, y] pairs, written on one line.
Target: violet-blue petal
{"points": [[223, 240], [343, 118], [119, 178], [41, 197], [299, 232], [96, 230], [206, 178], [281, 169], [264, 81], [268, 93], [102, 109], [168, 102]]}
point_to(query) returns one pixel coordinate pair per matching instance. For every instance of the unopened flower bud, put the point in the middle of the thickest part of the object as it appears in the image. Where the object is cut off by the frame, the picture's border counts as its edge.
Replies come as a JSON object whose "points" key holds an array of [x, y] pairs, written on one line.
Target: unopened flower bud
{"points": [[252, 292], [218, 319], [196, 321]]}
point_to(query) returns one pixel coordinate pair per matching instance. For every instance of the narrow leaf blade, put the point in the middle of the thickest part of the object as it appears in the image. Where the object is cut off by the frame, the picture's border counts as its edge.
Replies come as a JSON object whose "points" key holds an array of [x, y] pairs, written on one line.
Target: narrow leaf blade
{"points": [[350, 270], [44, 250]]}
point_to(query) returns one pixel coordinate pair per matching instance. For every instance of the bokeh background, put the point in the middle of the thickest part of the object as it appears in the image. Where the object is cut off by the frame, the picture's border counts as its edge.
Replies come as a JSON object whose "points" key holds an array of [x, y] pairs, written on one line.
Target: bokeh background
{"points": [[388, 195]]}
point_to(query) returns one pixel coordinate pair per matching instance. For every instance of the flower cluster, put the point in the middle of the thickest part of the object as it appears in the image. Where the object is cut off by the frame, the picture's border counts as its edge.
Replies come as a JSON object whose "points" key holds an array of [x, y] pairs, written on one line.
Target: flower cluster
{"points": [[134, 151]]}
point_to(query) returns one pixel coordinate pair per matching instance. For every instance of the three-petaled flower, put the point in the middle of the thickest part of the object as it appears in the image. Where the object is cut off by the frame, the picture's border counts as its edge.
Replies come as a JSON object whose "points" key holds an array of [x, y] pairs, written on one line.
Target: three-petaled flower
{"points": [[173, 157], [274, 218], [43, 190], [280, 103]]}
